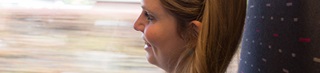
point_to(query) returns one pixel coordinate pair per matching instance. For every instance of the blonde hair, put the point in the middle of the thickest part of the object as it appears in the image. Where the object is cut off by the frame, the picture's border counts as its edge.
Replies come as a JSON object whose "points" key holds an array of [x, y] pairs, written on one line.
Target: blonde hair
{"points": [[211, 49]]}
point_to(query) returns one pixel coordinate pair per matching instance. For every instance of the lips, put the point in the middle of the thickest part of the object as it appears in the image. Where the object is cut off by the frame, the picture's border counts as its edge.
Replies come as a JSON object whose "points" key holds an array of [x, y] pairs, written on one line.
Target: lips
{"points": [[147, 45]]}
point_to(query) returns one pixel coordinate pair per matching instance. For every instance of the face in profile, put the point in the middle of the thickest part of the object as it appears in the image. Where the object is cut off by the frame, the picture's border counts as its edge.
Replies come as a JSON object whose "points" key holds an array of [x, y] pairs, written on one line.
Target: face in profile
{"points": [[159, 30]]}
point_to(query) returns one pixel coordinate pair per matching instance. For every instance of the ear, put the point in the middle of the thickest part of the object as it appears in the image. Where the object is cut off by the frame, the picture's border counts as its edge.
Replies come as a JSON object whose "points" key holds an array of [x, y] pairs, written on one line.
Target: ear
{"points": [[197, 25]]}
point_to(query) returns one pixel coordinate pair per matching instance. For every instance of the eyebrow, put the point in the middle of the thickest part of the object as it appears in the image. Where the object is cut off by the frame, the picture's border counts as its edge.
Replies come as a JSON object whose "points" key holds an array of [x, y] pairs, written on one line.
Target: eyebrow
{"points": [[147, 10]]}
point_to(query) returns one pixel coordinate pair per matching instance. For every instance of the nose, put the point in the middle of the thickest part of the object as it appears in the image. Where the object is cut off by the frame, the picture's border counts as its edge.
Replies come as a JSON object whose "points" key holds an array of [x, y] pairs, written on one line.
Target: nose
{"points": [[140, 23]]}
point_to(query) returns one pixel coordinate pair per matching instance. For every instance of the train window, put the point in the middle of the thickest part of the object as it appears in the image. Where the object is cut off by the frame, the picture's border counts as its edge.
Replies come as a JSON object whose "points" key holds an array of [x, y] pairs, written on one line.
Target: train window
{"points": [[71, 36]]}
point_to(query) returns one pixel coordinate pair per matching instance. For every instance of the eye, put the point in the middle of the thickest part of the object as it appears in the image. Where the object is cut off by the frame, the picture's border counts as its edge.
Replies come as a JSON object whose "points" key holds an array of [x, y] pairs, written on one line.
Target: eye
{"points": [[149, 17]]}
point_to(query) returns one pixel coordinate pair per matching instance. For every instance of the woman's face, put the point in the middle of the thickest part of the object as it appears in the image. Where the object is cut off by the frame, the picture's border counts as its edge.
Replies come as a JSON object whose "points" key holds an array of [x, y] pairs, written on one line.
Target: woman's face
{"points": [[159, 28]]}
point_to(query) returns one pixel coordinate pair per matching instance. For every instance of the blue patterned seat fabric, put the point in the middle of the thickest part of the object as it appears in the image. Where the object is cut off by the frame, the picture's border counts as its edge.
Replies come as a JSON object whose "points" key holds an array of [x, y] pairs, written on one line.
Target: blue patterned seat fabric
{"points": [[281, 36]]}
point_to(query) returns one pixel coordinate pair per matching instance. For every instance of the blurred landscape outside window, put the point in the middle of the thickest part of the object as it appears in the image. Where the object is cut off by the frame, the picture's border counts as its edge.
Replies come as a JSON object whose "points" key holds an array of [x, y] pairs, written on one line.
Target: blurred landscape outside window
{"points": [[71, 36]]}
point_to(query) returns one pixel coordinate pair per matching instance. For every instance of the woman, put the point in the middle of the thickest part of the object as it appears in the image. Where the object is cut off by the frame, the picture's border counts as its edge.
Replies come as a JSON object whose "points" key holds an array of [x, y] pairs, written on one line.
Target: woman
{"points": [[191, 36]]}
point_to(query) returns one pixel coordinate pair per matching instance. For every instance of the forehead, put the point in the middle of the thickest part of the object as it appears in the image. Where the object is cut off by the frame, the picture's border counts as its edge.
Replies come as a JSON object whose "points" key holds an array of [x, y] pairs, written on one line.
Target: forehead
{"points": [[155, 8], [152, 5]]}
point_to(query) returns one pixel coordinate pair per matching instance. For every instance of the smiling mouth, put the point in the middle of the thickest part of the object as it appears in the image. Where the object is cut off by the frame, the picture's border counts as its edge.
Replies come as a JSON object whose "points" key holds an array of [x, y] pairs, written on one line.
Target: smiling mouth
{"points": [[147, 45]]}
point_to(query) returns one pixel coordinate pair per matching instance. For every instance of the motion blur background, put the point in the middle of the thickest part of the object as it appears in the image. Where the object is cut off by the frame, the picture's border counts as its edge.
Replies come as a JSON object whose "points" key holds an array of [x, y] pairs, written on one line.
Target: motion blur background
{"points": [[71, 36]]}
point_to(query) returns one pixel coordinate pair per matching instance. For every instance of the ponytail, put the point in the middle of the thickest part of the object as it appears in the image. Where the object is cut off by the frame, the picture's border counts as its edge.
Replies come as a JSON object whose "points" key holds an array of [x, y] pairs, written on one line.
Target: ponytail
{"points": [[222, 26], [213, 47]]}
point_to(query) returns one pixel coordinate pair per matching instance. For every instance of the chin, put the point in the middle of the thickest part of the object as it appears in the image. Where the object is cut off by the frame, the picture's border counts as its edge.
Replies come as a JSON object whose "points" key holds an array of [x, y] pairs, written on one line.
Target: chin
{"points": [[151, 59]]}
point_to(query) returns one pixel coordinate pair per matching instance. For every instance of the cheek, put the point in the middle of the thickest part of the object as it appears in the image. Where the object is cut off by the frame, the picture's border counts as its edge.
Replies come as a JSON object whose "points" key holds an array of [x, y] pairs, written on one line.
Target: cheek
{"points": [[152, 35]]}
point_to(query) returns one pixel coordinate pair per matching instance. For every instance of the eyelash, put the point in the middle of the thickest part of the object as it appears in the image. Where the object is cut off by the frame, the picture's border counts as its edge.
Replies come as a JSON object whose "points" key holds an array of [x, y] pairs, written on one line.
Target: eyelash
{"points": [[149, 17]]}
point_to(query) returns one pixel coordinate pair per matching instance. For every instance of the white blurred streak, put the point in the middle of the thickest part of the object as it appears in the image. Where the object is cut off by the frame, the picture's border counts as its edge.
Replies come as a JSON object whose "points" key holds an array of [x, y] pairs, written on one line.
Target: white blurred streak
{"points": [[134, 1], [2, 44], [38, 4], [101, 23]]}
